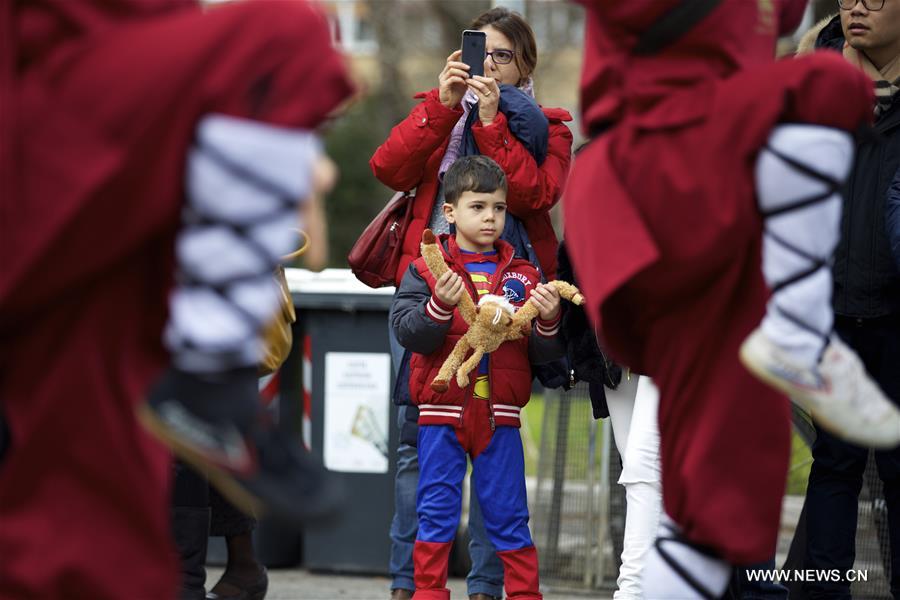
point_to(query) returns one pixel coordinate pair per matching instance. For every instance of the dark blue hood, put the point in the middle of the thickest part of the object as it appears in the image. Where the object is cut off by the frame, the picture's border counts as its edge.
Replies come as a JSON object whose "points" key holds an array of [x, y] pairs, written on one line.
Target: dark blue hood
{"points": [[526, 121]]}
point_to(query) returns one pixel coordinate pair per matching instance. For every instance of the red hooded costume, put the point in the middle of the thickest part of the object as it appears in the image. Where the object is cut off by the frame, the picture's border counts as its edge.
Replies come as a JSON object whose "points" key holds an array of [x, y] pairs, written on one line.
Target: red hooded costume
{"points": [[664, 232], [98, 105]]}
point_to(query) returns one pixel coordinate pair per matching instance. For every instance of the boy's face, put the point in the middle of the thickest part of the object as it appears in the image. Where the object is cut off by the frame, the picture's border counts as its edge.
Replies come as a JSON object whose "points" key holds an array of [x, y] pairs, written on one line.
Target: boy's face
{"points": [[479, 219]]}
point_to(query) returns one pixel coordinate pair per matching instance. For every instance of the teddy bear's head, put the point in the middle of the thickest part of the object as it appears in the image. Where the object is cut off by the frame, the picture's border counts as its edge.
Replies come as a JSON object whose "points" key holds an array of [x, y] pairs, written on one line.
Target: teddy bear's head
{"points": [[495, 313]]}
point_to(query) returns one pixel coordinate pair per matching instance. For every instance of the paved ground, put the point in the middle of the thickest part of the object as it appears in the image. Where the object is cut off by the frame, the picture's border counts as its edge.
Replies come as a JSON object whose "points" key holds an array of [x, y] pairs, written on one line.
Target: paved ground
{"points": [[297, 584]]}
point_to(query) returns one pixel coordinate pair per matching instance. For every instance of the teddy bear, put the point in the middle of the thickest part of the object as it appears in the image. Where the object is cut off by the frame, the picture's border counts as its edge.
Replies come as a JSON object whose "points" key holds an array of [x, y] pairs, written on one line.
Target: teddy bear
{"points": [[494, 321]]}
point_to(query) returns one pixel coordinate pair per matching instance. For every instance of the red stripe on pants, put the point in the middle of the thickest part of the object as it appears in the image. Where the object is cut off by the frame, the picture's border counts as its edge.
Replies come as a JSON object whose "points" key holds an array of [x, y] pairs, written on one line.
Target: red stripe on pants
{"points": [[520, 574], [430, 564]]}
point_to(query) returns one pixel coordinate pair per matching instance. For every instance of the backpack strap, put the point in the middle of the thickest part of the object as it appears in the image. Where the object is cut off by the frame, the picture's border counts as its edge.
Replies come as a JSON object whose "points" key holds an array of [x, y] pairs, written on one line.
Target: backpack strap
{"points": [[672, 25]]}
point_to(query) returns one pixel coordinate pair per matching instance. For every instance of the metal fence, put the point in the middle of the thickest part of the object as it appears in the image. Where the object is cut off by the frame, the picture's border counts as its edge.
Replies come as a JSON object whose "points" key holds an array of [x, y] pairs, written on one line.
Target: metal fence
{"points": [[873, 547], [576, 507]]}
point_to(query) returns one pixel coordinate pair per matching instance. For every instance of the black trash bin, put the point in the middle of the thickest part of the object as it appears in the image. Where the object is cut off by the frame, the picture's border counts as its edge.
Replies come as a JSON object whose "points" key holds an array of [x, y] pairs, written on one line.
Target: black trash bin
{"points": [[348, 422]]}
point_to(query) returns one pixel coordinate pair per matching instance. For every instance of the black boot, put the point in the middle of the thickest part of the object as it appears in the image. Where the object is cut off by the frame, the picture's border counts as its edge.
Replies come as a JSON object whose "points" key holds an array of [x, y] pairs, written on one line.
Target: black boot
{"points": [[214, 424], [191, 529]]}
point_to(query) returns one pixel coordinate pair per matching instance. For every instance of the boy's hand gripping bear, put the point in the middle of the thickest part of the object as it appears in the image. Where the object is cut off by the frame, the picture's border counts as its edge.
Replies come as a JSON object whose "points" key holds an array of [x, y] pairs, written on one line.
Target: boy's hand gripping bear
{"points": [[494, 321]]}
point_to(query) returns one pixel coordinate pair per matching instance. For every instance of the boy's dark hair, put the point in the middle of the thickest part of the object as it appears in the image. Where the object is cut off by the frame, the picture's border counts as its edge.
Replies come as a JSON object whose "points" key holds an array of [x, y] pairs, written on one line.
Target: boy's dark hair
{"points": [[472, 174]]}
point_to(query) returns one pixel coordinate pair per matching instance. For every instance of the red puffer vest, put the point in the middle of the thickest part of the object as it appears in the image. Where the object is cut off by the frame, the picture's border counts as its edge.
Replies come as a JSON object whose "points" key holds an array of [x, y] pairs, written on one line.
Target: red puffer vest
{"points": [[509, 371]]}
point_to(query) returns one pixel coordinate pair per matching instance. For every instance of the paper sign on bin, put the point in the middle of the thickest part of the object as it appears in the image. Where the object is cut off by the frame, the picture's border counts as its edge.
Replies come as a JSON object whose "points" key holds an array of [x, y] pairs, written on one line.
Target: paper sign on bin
{"points": [[357, 409]]}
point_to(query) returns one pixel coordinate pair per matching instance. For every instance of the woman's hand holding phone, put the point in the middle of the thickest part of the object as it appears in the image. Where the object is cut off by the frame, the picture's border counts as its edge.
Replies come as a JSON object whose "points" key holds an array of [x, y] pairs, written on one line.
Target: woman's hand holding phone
{"points": [[488, 93], [452, 81]]}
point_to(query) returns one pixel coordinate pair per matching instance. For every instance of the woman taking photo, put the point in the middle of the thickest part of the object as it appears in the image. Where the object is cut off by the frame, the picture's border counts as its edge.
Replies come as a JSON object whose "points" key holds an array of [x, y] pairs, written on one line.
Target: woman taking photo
{"points": [[423, 146], [497, 116]]}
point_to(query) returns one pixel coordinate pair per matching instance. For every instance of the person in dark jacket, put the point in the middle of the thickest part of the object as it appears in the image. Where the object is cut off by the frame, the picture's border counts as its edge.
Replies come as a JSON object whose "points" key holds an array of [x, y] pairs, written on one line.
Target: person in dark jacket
{"points": [[482, 419], [866, 297]]}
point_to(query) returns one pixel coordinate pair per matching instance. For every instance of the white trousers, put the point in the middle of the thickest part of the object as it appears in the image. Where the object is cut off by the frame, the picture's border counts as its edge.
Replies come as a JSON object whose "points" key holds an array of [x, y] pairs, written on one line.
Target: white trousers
{"points": [[633, 412]]}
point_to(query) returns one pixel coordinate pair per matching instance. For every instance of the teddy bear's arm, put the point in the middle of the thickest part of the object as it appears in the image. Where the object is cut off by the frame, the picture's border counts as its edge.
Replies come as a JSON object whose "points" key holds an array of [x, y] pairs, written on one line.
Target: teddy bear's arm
{"points": [[467, 308], [451, 364], [567, 291], [524, 316], [434, 260], [462, 373], [527, 313], [432, 254]]}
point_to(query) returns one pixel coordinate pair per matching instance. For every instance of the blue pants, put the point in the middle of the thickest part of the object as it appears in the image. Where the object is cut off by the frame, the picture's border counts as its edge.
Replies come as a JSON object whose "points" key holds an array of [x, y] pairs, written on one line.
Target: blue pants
{"points": [[499, 476], [486, 575]]}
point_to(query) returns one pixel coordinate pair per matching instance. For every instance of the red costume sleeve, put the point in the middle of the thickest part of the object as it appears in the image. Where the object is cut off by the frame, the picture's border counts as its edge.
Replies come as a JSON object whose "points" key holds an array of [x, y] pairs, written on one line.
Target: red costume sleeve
{"points": [[791, 15], [109, 128]]}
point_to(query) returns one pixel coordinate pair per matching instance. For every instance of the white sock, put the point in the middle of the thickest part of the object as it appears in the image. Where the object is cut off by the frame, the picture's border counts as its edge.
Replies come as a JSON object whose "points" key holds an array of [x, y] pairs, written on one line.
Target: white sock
{"points": [[663, 582], [244, 181], [811, 230]]}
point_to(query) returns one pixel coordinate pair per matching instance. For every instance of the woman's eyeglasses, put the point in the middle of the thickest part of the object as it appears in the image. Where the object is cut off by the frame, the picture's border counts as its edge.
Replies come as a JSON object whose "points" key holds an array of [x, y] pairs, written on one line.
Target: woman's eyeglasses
{"points": [[872, 5], [501, 57]]}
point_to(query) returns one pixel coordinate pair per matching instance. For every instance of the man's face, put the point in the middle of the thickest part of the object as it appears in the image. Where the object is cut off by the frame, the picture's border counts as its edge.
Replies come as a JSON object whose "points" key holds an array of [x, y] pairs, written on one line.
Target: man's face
{"points": [[868, 30]]}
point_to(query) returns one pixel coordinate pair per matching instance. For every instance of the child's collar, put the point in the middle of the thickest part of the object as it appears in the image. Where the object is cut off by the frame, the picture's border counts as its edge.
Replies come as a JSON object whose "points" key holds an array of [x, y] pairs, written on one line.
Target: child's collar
{"points": [[505, 251]]}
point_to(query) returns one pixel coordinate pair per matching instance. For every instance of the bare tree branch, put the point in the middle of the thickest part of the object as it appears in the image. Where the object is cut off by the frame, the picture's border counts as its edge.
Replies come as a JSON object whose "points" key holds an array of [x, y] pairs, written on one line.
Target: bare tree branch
{"points": [[455, 16], [392, 93]]}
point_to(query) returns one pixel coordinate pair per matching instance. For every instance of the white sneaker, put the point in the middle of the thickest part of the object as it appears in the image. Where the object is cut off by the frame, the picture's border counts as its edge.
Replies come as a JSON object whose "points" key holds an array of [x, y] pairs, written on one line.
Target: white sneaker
{"points": [[839, 394]]}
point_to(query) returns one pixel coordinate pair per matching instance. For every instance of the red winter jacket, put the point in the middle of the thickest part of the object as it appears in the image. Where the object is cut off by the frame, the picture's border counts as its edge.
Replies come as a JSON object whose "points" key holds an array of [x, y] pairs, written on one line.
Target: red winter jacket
{"points": [[411, 157], [687, 125], [430, 330]]}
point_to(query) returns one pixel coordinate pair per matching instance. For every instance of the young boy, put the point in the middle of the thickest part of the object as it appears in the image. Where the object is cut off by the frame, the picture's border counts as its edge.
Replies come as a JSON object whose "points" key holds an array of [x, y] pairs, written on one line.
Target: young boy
{"points": [[481, 420]]}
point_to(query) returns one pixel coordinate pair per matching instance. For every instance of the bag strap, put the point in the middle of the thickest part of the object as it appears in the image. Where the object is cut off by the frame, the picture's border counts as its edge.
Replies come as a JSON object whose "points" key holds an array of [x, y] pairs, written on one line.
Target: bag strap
{"points": [[672, 25], [299, 251]]}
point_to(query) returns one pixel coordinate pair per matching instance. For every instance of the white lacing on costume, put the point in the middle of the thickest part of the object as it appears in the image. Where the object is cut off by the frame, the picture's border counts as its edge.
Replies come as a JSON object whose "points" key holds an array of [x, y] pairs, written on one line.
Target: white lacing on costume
{"points": [[245, 181], [675, 537], [812, 262]]}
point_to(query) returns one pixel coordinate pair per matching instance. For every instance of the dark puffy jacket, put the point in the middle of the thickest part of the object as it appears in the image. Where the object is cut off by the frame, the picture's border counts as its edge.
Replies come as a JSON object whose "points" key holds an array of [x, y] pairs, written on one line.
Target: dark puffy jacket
{"points": [[411, 157], [586, 360], [866, 282], [892, 219], [432, 340]]}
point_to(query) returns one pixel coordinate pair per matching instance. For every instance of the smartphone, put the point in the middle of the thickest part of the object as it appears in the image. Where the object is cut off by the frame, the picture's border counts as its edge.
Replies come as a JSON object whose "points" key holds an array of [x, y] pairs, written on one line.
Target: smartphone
{"points": [[473, 51]]}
